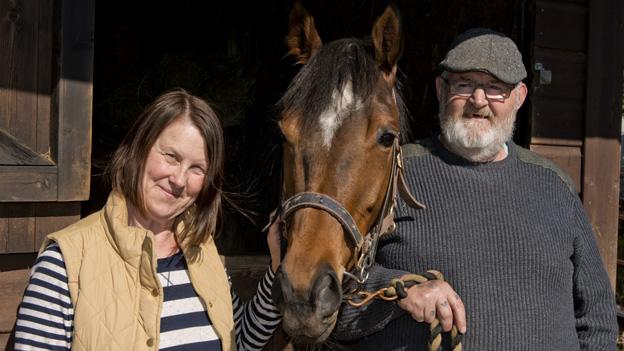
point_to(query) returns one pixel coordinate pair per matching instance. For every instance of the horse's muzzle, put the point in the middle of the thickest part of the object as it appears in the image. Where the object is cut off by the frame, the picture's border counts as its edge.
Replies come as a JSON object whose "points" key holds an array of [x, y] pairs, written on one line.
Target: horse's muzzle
{"points": [[308, 314]]}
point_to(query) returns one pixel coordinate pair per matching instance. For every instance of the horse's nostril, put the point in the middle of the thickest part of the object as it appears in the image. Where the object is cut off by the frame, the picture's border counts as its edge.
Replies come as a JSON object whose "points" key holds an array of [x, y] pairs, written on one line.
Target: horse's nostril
{"points": [[328, 293]]}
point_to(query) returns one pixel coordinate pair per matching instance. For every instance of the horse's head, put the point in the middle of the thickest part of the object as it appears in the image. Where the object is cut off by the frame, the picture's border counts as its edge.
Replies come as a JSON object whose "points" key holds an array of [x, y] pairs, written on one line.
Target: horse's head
{"points": [[340, 119]]}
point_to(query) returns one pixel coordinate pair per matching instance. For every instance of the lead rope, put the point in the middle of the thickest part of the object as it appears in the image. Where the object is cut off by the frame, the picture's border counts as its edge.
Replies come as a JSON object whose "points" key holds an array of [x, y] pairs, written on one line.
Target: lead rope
{"points": [[396, 290]]}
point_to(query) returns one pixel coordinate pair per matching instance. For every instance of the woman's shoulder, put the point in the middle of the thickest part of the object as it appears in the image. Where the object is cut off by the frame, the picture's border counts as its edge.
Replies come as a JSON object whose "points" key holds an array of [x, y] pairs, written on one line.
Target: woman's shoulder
{"points": [[78, 234], [85, 226]]}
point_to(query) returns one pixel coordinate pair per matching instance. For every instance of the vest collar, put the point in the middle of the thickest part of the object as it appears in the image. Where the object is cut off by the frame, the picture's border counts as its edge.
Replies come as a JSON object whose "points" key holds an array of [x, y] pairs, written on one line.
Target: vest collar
{"points": [[126, 240]]}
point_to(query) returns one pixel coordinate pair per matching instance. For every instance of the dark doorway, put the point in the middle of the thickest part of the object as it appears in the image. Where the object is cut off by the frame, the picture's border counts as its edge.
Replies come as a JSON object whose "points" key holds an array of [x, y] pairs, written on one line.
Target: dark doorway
{"points": [[232, 54]]}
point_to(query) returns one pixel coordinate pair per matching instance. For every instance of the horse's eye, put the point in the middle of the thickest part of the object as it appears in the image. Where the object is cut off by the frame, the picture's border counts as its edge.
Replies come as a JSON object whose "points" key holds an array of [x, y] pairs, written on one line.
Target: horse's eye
{"points": [[386, 139]]}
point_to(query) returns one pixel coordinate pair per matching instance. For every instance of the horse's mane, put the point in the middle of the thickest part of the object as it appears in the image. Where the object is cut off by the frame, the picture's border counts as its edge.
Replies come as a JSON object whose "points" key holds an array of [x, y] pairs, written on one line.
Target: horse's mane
{"points": [[335, 64]]}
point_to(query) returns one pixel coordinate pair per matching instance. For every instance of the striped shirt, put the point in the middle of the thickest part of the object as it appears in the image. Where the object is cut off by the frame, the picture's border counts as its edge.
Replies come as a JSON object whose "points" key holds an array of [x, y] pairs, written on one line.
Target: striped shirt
{"points": [[45, 317]]}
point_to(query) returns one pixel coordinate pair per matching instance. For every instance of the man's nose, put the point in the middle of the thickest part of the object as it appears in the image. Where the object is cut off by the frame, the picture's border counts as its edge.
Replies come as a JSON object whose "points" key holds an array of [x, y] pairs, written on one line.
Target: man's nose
{"points": [[478, 98]]}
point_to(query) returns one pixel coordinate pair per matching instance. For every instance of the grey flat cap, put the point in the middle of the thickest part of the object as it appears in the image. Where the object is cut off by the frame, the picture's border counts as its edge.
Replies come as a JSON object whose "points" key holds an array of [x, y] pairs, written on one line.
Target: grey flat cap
{"points": [[485, 50]]}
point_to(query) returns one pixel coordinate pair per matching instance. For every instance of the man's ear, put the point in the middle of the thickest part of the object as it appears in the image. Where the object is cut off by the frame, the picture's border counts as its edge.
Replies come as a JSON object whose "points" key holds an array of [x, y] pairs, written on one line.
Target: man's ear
{"points": [[439, 88], [521, 94]]}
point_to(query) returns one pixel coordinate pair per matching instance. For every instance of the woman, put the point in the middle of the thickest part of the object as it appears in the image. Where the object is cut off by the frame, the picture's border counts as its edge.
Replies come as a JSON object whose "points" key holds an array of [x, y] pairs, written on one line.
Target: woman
{"points": [[143, 273]]}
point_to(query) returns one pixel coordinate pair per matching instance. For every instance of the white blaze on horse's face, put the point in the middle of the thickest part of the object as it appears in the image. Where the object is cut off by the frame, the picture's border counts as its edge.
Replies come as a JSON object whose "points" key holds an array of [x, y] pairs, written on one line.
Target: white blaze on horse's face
{"points": [[343, 104]]}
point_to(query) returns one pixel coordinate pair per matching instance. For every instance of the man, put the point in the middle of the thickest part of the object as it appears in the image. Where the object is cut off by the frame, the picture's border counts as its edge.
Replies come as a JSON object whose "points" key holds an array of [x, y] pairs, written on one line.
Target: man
{"points": [[503, 225]]}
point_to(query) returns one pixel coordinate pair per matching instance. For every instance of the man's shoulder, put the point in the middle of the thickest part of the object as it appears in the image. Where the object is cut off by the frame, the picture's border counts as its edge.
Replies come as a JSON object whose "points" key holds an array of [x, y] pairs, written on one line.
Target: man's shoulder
{"points": [[418, 148], [530, 157]]}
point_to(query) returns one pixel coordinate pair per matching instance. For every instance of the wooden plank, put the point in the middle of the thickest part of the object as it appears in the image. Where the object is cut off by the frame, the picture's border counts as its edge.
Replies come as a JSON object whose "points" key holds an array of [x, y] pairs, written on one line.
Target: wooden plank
{"points": [[560, 25], [13, 152], [54, 216], [9, 16], [555, 141], [21, 236], [12, 286], [603, 124], [569, 159], [568, 73], [17, 261], [28, 183], [14, 275], [6, 341], [24, 124], [557, 121], [14, 271], [75, 92], [246, 272], [44, 77], [4, 227]]}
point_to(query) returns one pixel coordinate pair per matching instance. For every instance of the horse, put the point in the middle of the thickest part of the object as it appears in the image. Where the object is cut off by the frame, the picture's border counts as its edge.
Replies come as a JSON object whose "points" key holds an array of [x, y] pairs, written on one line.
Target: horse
{"points": [[341, 118]]}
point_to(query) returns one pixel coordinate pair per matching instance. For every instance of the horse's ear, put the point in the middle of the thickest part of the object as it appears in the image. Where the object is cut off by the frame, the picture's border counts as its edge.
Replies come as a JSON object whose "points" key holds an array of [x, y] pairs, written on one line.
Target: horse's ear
{"points": [[387, 41], [303, 40]]}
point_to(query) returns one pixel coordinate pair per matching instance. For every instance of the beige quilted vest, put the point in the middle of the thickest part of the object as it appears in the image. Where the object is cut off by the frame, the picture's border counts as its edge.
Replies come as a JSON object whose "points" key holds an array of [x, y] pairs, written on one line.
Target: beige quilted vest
{"points": [[114, 288]]}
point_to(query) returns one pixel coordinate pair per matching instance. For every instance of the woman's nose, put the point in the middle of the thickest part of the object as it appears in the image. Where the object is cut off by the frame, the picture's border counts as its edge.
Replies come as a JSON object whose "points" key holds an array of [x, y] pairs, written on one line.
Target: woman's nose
{"points": [[178, 177]]}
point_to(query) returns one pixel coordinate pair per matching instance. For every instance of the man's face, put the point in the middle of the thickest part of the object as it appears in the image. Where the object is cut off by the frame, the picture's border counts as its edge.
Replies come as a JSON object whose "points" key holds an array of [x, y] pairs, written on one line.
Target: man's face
{"points": [[476, 124]]}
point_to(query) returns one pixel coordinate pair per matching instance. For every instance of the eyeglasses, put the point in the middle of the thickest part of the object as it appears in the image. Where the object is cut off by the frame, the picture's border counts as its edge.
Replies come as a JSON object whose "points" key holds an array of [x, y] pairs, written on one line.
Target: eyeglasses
{"points": [[493, 91]]}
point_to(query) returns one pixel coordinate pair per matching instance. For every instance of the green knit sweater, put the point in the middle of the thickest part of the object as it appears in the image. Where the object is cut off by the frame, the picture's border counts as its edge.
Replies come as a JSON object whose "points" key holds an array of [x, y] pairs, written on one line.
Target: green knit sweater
{"points": [[513, 240]]}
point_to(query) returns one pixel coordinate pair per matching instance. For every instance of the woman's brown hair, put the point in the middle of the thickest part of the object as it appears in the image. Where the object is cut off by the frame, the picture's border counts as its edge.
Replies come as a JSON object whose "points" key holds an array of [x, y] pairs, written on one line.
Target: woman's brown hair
{"points": [[126, 167]]}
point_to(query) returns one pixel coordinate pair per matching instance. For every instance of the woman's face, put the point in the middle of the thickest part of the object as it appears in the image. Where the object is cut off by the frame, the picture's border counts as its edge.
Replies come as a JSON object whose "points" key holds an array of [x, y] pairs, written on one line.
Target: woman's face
{"points": [[175, 170]]}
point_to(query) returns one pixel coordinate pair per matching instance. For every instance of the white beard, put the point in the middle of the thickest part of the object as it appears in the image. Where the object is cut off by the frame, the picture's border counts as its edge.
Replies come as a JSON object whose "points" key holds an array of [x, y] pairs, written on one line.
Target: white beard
{"points": [[476, 140]]}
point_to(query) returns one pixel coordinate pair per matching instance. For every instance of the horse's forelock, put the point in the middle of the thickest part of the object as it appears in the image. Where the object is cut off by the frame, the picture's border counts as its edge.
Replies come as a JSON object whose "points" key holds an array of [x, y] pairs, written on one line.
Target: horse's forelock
{"points": [[312, 91], [345, 65]]}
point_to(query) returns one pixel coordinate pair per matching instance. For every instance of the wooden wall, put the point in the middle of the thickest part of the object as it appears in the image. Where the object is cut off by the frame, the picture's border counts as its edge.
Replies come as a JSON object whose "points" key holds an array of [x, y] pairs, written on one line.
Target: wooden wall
{"points": [[575, 104], [558, 106], [45, 131], [14, 278], [26, 35], [26, 118], [22, 227], [603, 118], [46, 74]]}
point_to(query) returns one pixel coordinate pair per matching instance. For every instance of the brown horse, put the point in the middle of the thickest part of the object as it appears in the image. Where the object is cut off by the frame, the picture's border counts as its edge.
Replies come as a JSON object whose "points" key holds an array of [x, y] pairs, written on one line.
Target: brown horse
{"points": [[341, 121]]}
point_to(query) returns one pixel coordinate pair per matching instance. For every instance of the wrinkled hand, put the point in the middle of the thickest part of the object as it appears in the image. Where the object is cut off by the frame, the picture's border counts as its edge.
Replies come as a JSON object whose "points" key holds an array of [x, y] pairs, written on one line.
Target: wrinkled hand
{"points": [[435, 299], [273, 240]]}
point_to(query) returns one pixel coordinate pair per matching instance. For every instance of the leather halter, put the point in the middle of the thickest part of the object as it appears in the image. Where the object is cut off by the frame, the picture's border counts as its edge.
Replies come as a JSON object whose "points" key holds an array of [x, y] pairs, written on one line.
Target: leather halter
{"points": [[365, 246]]}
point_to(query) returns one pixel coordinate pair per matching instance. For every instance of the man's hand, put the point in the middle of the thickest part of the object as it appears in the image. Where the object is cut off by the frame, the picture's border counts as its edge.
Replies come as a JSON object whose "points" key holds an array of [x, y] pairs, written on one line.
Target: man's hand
{"points": [[435, 299]]}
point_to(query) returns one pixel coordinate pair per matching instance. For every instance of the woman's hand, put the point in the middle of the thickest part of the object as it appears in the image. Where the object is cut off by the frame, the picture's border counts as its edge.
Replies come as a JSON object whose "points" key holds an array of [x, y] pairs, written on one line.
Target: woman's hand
{"points": [[435, 299], [274, 241]]}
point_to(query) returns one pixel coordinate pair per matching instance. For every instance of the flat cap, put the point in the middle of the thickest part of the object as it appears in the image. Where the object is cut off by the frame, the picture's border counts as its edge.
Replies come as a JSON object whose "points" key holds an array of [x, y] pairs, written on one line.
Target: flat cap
{"points": [[485, 50]]}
